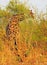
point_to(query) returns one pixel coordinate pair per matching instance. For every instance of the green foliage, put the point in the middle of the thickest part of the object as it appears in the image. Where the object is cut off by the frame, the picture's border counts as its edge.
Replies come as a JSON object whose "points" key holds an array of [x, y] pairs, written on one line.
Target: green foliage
{"points": [[14, 7]]}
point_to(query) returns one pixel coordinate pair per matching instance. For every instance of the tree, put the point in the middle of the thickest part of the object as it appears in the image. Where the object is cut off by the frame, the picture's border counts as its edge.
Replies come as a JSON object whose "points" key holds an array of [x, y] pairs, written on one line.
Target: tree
{"points": [[15, 7]]}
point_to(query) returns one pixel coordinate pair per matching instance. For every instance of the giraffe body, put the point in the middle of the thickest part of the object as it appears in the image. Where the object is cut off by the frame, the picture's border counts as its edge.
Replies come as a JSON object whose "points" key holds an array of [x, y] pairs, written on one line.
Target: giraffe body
{"points": [[13, 32], [12, 29]]}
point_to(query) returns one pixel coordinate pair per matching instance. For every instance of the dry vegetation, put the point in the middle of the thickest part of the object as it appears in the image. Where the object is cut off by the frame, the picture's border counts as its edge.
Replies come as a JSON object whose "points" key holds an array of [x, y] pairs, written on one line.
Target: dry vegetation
{"points": [[33, 37]]}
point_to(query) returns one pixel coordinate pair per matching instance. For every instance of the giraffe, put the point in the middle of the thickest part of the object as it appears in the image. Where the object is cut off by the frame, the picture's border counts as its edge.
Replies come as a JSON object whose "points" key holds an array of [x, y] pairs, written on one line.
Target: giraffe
{"points": [[12, 28], [13, 32]]}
